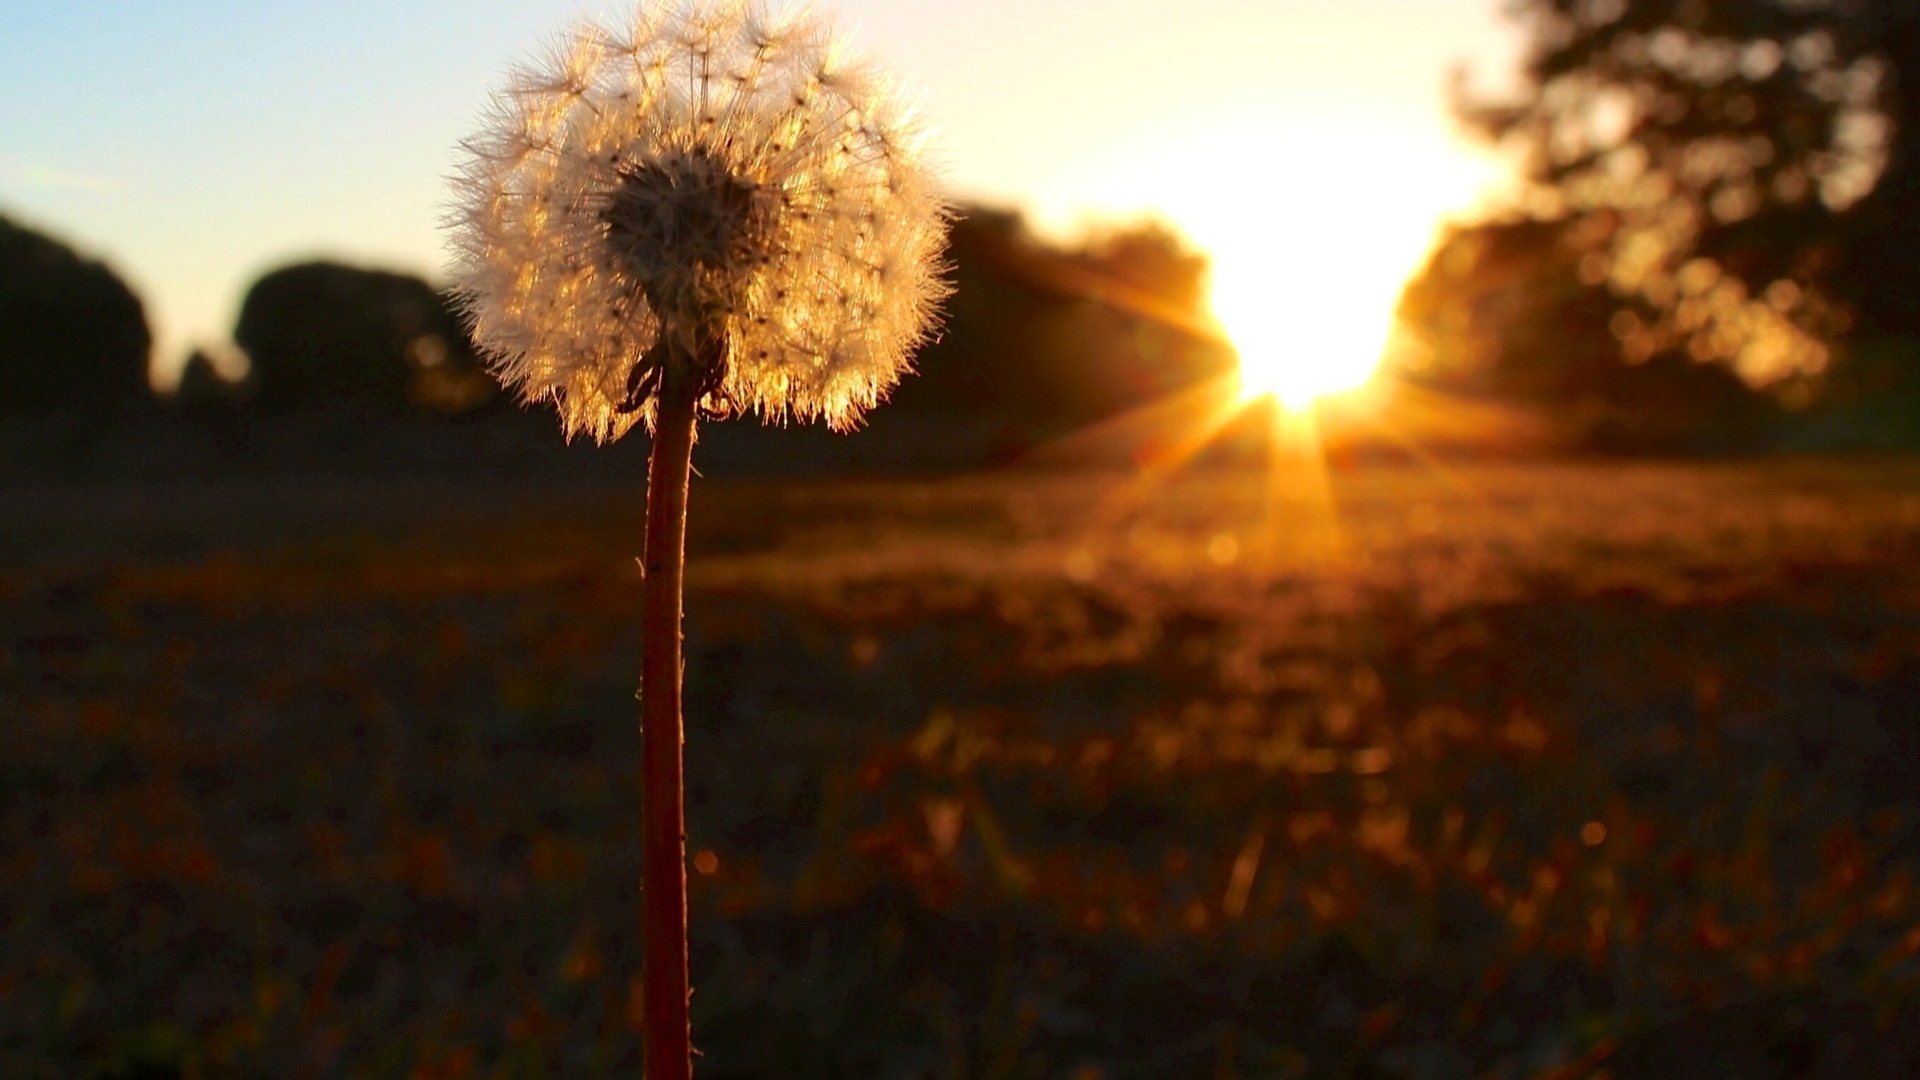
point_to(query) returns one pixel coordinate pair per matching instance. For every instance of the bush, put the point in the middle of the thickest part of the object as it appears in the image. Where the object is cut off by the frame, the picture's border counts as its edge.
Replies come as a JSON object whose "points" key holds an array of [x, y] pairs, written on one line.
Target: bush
{"points": [[73, 336], [368, 340], [1046, 338]]}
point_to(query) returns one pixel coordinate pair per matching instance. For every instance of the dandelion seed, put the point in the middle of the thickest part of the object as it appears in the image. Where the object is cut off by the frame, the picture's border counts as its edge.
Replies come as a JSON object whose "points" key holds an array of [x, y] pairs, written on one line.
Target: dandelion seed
{"points": [[709, 187]]}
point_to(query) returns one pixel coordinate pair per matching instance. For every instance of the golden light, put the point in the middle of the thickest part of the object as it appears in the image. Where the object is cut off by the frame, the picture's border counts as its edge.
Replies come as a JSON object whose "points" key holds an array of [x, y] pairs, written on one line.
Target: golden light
{"points": [[1308, 302], [1312, 224]]}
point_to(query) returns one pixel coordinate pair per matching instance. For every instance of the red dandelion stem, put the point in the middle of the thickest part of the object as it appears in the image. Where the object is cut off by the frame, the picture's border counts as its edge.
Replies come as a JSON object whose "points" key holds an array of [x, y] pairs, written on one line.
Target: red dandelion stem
{"points": [[669, 1047]]}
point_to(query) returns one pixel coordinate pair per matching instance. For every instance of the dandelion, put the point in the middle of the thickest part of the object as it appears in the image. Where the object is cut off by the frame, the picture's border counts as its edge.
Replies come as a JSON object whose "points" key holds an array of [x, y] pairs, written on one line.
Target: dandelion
{"points": [[712, 211], [717, 194]]}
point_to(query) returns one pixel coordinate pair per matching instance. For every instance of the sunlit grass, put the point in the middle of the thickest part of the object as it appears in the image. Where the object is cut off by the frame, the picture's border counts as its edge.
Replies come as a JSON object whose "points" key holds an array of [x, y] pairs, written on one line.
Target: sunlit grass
{"points": [[316, 782]]}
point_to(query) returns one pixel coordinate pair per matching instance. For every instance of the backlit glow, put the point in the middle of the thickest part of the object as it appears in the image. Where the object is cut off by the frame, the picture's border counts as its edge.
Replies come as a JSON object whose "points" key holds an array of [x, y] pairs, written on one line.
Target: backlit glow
{"points": [[1312, 225]]}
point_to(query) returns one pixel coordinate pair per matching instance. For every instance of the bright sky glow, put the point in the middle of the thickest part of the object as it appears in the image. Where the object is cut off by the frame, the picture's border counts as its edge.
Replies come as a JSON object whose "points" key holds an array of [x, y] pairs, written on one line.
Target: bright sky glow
{"points": [[1311, 232], [195, 144]]}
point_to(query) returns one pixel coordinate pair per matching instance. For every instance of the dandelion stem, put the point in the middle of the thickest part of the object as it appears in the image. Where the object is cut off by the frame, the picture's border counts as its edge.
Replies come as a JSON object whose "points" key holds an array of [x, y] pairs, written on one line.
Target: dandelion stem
{"points": [[669, 1048]]}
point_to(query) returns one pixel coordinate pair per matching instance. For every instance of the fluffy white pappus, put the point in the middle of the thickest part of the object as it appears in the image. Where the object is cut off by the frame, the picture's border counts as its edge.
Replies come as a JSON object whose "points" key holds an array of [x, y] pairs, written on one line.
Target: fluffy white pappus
{"points": [[705, 169]]}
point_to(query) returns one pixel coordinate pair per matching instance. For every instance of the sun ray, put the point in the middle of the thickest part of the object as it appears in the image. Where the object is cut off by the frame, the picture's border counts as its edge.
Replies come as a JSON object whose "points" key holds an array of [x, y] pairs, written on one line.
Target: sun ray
{"points": [[1309, 241], [1311, 223], [1295, 475], [1155, 440]]}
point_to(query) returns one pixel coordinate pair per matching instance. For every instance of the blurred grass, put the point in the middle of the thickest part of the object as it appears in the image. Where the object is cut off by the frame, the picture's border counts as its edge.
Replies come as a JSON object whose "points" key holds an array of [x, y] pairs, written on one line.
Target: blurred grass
{"points": [[1544, 770]]}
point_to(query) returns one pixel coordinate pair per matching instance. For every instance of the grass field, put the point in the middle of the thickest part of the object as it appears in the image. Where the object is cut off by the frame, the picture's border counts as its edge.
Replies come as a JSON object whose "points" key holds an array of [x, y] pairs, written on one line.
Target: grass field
{"points": [[1512, 771]]}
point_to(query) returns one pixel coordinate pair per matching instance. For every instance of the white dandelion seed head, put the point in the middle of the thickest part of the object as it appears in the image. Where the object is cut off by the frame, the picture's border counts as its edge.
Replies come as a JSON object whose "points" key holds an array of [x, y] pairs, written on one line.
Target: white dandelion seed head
{"points": [[706, 171]]}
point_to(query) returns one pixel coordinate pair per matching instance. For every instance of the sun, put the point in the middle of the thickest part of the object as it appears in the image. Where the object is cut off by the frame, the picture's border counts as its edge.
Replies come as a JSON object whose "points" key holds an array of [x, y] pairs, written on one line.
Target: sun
{"points": [[1311, 224], [1306, 278], [1304, 330]]}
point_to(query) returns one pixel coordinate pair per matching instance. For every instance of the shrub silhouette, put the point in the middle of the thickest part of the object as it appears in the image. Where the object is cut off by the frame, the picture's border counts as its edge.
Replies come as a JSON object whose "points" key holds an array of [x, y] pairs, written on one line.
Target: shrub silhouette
{"points": [[73, 336], [1502, 314], [208, 395], [1043, 338], [322, 333], [202, 386]]}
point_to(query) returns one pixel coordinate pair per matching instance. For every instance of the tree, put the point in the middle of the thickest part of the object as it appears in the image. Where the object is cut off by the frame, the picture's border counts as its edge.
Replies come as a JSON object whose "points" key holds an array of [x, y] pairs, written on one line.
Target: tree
{"points": [[1743, 176], [1502, 313], [73, 336], [321, 333], [1048, 337]]}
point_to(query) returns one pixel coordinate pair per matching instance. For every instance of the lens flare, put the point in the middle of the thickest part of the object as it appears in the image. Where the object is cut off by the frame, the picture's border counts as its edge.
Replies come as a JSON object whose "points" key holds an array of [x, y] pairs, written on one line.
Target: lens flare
{"points": [[1311, 222]]}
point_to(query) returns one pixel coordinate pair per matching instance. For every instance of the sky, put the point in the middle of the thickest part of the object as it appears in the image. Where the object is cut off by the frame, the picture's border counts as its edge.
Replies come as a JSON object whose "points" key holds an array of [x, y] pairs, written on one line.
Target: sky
{"points": [[195, 144]]}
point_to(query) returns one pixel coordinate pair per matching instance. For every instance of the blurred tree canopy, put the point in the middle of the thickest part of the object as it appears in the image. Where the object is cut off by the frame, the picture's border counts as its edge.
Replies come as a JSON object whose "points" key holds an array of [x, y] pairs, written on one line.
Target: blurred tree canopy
{"points": [[1743, 174], [1045, 337], [73, 337], [1728, 182], [320, 333], [1503, 313]]}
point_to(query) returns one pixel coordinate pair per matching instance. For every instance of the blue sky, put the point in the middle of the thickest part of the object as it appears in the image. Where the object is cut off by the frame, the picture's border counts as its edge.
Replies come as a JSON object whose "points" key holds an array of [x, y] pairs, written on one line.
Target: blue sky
{"points": [[196, 143]]}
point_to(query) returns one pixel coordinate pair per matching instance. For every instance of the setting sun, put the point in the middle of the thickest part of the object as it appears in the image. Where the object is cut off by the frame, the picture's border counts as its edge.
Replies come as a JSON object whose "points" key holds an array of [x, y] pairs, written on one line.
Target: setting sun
{"points": [[1311, 224], [1307, 299]]}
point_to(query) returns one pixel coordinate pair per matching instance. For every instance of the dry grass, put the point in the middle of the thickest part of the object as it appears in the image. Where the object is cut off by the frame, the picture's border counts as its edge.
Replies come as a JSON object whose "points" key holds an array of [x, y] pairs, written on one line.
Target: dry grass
{"points": [[1483, 771]]}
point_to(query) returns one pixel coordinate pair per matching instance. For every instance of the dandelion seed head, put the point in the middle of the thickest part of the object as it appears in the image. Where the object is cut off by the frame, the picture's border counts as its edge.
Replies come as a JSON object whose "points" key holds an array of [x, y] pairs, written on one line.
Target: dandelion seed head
{"points": [[717, 172]]}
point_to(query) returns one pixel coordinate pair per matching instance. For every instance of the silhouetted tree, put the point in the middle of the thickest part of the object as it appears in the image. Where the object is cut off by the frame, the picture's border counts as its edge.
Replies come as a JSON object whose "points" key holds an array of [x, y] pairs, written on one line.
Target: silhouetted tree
{"points": [[1744, 173], [321, 333], [73, 337], [1501, 312], [1149, 259], [203, 385], [1046, 338]]}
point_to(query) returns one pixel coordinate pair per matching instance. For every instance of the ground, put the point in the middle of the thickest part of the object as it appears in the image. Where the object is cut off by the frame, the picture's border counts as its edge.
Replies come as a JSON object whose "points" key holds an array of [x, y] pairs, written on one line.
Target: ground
{"points": [[1409, 770]]}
